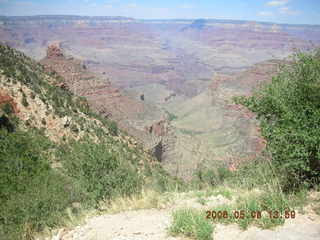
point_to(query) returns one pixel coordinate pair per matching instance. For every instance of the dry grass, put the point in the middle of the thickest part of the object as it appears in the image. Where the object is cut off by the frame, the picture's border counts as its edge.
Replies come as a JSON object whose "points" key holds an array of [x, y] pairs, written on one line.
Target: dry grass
{"points": [[146, 200]]}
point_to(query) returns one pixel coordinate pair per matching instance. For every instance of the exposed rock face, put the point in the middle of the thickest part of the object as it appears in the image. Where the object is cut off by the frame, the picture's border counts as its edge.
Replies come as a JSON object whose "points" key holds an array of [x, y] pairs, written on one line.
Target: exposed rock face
{"points": [[213, 131], [54, 51], [159, 128], [164, 140], [7, 106], [169, 97], [224, 88], [108, 100], [158, 51], [6, 99]]}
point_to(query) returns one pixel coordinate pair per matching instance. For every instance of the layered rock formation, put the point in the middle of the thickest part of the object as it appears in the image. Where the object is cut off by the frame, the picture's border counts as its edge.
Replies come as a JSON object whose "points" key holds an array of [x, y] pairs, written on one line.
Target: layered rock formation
{"points": [[168, 67], [54, 51], [139, 52], [159, 128], [141, 121]]}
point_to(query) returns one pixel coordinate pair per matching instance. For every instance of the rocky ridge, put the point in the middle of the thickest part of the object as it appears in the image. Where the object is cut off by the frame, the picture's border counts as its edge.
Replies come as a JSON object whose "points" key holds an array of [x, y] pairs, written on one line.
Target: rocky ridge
{"points": [[110, 102], [138, 52]]}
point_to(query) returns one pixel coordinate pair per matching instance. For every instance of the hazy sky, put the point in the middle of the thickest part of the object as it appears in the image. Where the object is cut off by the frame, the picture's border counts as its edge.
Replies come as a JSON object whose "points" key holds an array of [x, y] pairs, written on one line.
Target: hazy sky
{"points": [[283, 11]]}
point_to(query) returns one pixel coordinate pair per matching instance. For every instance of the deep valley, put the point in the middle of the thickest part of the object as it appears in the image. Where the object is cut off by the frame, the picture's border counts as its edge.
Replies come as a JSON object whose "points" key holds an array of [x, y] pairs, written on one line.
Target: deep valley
{"points": [[141, 72]]}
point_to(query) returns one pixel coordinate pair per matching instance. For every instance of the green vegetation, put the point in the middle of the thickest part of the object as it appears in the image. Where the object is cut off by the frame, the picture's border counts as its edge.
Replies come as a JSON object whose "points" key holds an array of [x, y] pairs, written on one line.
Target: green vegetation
{"points": [[171, 116], [191, 223], [24, 100], [113, 128], [273, 187], [289, 111], [7, 108], [8, 120], [255, 209], [188, 132], [18, 67], [41, 182], [32, 194], [211, 177], [255, 198], [101, 172], [45, 184]]}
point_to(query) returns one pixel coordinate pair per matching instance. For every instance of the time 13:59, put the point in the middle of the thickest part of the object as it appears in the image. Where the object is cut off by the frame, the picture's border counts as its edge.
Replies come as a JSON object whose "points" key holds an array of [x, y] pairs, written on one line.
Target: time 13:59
{"points": [[285, 214]]}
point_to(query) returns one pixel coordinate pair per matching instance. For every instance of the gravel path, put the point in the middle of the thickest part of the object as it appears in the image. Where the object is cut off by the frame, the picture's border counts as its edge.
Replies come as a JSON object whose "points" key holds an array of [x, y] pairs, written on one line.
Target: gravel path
{"points": [[152, 224]]}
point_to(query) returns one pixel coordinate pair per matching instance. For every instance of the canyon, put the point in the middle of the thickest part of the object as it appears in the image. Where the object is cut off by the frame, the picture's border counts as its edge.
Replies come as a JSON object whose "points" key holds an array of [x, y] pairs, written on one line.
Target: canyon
{"points": [[168, 83]]}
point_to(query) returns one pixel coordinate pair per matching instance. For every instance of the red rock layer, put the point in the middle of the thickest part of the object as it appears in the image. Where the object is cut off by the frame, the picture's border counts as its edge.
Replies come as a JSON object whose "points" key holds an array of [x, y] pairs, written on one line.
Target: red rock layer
{"points": [[6, 99]]}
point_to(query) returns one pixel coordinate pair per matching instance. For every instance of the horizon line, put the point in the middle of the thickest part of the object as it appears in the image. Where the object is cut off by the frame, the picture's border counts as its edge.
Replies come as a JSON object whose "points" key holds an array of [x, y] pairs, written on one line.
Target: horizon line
{"points": [[156, 19]]}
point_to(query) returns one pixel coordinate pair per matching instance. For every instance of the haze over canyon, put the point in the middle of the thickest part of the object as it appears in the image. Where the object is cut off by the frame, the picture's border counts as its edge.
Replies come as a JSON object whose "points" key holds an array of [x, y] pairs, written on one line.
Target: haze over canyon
{"points": [[169, 83]]}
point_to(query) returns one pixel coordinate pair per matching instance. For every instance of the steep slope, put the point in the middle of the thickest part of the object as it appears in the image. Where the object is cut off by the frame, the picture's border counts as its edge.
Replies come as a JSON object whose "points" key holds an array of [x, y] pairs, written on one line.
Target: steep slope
{"points": [[212, 131], [133, 115], [56, 155]]}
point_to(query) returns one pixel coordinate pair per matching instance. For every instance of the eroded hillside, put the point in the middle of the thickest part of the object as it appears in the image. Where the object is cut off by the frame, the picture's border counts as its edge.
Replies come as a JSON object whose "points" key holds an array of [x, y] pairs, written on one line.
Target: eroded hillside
{"points": [[141, 119], [57, 155]]}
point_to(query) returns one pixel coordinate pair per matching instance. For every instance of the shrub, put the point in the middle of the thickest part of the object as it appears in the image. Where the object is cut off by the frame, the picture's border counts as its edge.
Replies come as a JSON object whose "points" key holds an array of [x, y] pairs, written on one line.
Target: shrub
{"points": [[211, 177], [171, 116], [32, 194], [289, 110], [74, 128], [8, 122], [100, 171], [191, 223], [32, 95], [7, 108], [256, 209], [113, 128], [24, 101]]}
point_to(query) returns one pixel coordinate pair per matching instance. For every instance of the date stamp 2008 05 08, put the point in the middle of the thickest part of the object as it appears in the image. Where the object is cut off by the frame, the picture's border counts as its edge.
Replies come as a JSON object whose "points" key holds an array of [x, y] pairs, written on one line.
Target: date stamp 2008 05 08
{"points": [[242, 214]]}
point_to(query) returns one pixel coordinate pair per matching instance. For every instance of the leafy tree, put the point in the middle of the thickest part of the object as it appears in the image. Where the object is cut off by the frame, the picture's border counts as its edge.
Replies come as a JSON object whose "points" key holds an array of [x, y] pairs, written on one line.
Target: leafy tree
{"points": [[289, 110]]}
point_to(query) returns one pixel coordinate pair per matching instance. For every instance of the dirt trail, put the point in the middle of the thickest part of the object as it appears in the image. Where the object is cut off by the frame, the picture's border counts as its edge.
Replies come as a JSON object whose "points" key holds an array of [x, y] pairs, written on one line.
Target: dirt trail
{"points": [[131, 225], [152, 224]]}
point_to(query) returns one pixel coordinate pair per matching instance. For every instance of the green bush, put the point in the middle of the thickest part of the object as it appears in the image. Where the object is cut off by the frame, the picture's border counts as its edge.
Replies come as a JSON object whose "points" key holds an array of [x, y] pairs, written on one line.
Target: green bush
{"points": [[74, 128], [289, 110], [24, 101], [101, 172], [7, 108], [113, 128], [171, 116], [211, 177], [32, 194], [191, 223], [254, 210]]}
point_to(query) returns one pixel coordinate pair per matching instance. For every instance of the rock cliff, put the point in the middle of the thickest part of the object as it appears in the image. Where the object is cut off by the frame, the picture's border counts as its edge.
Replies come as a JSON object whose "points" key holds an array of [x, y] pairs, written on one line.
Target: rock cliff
{"points": [[140, 120]]}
